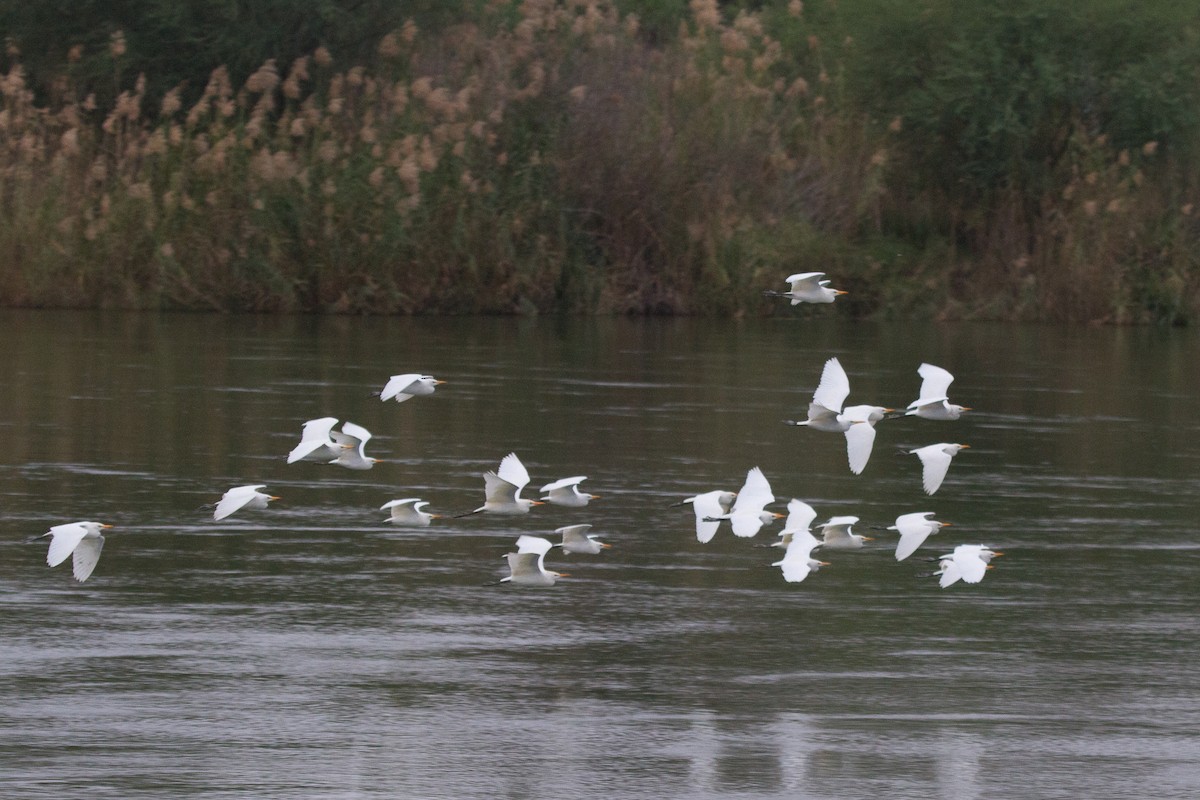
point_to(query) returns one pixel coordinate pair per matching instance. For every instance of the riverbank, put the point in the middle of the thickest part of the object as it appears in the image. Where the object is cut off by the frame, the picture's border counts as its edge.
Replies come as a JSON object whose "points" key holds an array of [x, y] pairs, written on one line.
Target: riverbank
{"points": [[552, 158]]}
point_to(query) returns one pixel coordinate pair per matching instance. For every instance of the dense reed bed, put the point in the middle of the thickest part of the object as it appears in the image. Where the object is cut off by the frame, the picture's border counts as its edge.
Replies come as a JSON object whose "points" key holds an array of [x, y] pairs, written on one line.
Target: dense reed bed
{"points": [[550, 157]]}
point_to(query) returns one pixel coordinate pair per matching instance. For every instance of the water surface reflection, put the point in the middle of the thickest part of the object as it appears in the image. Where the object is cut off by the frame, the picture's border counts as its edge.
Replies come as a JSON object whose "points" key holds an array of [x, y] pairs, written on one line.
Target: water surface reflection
{"points": [[310, 650]]}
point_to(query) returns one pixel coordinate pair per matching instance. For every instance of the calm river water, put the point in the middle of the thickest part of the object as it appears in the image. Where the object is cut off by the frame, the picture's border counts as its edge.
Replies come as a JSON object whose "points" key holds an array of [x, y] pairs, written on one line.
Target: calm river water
{"points": [[310, 650]]}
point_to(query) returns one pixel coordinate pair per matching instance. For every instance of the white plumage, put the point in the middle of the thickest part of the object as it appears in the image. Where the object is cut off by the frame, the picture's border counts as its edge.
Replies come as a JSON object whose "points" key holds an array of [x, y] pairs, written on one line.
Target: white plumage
{"points": [[240, 497], [409, 385], [80, 540], [935, 462]]}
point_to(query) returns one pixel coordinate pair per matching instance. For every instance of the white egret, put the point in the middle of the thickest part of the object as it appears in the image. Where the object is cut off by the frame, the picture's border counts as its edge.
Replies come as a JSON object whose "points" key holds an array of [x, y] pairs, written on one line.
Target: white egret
{"points": [[533, 544], [799, 520], [409, 385], [502, 489], [576, 539], [352, 438], [240, 497], [408, 512], [914, 529], [825, 413], [836, 534], [748, 514], [807, 287], [316, 444], [934, 401], [566, 492], [935, 462], [710, 508], [80, 540], [968, 562], [527, 565], [797, 561]]}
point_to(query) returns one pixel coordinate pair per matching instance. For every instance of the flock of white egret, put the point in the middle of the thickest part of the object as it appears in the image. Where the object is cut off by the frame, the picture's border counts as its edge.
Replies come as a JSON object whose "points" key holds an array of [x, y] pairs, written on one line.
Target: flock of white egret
{"points": [[745, 510]]}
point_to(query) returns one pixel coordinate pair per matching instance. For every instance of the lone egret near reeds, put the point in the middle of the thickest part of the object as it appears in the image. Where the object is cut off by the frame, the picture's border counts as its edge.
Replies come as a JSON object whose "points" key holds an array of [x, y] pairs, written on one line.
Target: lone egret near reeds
{"points": [[807, 287]]}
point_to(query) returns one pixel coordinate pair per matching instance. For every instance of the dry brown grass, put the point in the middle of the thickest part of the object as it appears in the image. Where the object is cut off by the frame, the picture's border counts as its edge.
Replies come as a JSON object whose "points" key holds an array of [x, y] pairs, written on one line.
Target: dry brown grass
{"points": [[556, 162]]}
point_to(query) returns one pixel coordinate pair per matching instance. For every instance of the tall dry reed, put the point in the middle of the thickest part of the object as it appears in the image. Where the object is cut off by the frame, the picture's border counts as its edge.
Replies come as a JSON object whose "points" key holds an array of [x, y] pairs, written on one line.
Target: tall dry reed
{"points": [[548, 158]]}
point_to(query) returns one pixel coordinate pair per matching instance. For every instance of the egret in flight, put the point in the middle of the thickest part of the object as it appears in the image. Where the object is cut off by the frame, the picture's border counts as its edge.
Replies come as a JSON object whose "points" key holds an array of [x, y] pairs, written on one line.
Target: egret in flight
{"points": [[352, 439], [409, 385], [935, 462], [797, 561], [710, 508], [748, 514], [837, 534], [968, 562], [934, 400], [914, 529], [566, 492], [825, 413], [807, 287], [502, 489], [527, 565], [316, 444], [80, 540], [409, 512], [576, 539], [240, 497]]}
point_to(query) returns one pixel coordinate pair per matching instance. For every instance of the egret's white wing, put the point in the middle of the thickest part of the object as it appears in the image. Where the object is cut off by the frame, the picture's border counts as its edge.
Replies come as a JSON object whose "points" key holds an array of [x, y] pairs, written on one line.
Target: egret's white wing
{"points": [[524, 567], [746, 523], [498, 490], [351, 434], [407, 500], [935, 385], [306, 448], [318, 428], [87, 555], [795, 561], [745, 516], [708, 505], [910, 541], [950, 573], [834, 386], [836, 532], [800, 516], [397, 384], [755, 492], [914, 529], [824, 419], [805, 280], [513, 471], [236, 498], [564, 483], [935, 463], [533, 544], [970, 564], [908, 523], [63, 541], [860, 439]]}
